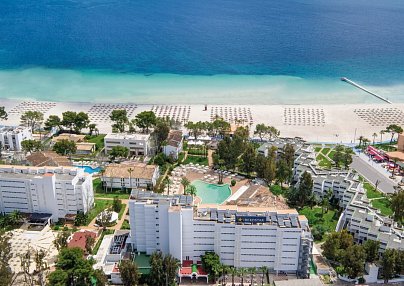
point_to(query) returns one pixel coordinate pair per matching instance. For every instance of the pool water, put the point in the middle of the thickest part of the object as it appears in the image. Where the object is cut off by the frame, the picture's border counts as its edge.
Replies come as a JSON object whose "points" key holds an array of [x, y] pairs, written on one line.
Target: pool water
{"points": [[89, 169], [211, 193]]}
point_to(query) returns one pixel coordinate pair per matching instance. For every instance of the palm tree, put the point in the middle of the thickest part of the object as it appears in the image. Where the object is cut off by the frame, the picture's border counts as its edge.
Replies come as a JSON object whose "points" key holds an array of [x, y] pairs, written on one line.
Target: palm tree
{"points": [[191, 190], [225, 271], [360, 140], [252, 272], [130, 171], [102, 173], [242, 272], [374, 137], [233, 272], [381, 136], [185, 183], [167, 182], [264, 271]]}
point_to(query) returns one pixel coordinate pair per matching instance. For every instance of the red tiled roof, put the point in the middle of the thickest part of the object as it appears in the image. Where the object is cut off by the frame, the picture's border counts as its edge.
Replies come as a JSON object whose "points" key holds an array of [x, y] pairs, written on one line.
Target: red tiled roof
{"points": [[187, 263], [79, 239], [186, 271]]}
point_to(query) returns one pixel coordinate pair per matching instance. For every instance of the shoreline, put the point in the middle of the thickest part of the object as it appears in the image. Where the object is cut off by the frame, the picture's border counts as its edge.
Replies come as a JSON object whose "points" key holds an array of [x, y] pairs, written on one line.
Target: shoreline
{"points": [[81, 86], [325, 123]]}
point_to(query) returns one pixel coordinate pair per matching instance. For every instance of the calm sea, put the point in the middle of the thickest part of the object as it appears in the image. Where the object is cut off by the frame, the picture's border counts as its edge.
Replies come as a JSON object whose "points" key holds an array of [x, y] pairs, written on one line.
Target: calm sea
{"points": [[55, 48]]}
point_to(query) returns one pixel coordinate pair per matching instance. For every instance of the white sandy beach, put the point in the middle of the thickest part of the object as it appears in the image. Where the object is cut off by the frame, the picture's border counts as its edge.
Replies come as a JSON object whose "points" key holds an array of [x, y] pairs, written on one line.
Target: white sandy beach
{"points": [[315, 123]]}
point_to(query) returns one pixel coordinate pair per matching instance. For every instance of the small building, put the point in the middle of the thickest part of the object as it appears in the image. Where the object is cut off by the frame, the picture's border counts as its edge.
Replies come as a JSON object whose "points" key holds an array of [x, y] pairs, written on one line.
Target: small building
{"points": [[76, 138], [12, 136], [174, 144], [79, 239], [133, 175], [85, 148], [138, 144], [47, 158]]}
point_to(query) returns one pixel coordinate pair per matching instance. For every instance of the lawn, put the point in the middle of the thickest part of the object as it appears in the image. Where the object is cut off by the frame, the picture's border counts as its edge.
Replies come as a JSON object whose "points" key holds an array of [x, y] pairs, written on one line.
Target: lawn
{"points": [[323, 161], [277, 190], [99, 206], [196, 160], [121, 211], [325, 151], [97, 139], [317, 149], [383, 205], [331, 155], [370, 191], [100, 192], [125, 224], [327, 220]]}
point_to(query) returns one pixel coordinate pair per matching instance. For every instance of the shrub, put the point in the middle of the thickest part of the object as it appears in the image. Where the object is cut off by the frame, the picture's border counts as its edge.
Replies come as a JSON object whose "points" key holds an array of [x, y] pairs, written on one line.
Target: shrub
{"points": [[56, 227], [65, 228], [233, 182]]}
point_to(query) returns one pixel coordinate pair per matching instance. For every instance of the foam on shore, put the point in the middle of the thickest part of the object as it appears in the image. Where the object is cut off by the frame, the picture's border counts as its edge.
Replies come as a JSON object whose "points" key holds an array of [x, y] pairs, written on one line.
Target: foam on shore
{"points": [[103, 87]]}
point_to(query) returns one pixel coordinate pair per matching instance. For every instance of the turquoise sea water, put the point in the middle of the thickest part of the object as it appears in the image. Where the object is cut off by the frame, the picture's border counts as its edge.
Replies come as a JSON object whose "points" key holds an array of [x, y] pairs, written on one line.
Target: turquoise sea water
{"points": [[177, 51], [211, 193]]}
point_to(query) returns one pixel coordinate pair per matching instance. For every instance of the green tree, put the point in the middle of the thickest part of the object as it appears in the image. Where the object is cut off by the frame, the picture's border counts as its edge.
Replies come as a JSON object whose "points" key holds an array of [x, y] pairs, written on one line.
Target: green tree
{"points": [[170, 267], [270, 166], [305, 189], [157, 275], [388, 264], [145, 120], [30, 145], [289, 155], [60, 241], [335, 244], [283, 172], [65, 147], [68, 120], [191, 190], [185, 183], [397, 205], [32, 119], [338, 155], [81, 121], [6, 275], [116, 204], [211, 263], [220, 127], [318, 232], [81, 219], [120, 119], [260, 165], [347, 157], [118, 152], [394, 129], [92, 128], [53, 121], [249, 159], [372, 250], [3, 113], [90, 241], [160, 132], [353, 260], [129, 271], [261, 130], [73, 269]]}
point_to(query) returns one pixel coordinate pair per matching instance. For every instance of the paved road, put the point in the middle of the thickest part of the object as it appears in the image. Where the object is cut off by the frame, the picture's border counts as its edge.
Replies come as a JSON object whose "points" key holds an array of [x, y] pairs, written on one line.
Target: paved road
{"points": [[363, 168]]}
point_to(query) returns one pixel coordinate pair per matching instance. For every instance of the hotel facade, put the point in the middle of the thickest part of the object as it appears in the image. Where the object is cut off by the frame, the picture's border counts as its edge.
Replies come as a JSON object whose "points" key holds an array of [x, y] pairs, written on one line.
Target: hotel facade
{"points": [[138, 144], [11, 137], [243, 237], [56, 191]]}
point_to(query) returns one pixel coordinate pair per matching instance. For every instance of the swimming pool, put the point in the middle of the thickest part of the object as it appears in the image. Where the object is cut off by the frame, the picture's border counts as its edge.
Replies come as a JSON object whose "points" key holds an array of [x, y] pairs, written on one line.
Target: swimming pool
{"points": [[89, 169], [211, 193]]}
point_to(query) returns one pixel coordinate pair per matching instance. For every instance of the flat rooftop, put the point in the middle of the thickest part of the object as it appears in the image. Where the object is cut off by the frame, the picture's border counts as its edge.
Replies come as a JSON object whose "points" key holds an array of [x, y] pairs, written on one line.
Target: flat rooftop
{"points": [[127, 136]]}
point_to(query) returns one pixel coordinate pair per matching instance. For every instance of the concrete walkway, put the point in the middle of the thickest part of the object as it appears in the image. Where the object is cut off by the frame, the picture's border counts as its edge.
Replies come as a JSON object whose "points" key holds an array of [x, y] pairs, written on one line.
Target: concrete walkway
{"points": [[372, 174]]}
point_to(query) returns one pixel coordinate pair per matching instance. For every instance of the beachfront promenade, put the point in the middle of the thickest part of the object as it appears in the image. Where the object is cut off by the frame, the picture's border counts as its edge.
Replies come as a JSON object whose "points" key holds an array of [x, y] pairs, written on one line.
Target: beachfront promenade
{"points": [[314, 123]]}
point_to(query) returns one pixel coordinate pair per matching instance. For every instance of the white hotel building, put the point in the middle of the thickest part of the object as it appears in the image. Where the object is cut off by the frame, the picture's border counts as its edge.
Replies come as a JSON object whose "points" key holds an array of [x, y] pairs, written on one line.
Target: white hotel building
{"points": [[242, 237], [11, 137], [57, 191], [138, 144]]}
